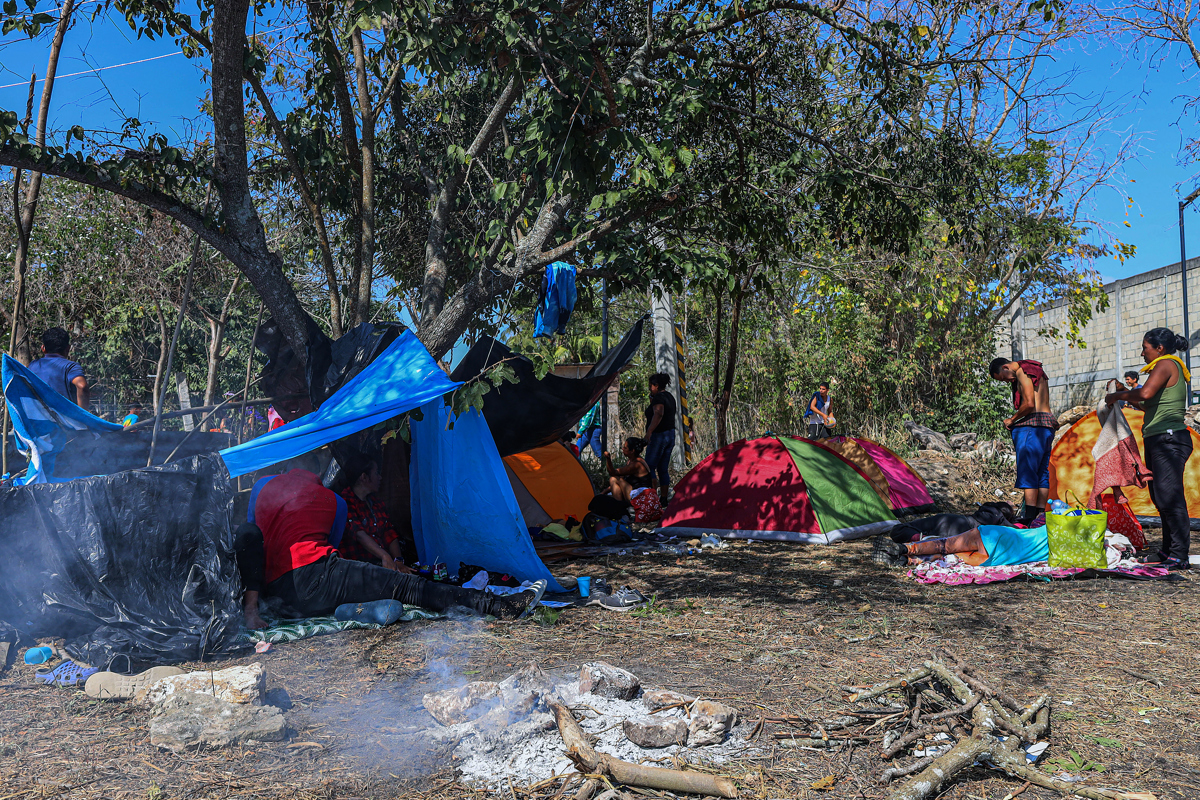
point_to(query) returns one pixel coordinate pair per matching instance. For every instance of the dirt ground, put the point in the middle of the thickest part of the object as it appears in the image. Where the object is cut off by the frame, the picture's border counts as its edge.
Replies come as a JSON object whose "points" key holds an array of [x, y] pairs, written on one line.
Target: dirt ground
{"points": [[769, 628]]}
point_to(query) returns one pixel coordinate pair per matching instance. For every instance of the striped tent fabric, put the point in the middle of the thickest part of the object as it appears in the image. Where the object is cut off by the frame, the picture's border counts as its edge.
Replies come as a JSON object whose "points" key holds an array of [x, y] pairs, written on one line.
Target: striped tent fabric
{"points": [[777, 488]]}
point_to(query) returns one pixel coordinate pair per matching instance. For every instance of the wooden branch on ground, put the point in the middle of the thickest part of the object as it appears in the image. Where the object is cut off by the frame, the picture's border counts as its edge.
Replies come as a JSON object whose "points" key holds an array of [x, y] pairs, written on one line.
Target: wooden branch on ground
{"points": [[587, 760]]}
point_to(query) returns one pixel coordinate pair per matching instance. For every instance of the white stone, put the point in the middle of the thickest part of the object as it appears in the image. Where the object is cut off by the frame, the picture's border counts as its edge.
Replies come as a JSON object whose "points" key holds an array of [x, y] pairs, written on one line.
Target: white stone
{"points": [[605, 680], [453, 706], [245, 684], [655, 731], [711, 723]]}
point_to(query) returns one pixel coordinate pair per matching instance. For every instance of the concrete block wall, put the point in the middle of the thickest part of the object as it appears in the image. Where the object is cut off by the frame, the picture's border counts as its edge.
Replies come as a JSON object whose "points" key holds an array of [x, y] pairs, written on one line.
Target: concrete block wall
{"points": [[1112, 338]]}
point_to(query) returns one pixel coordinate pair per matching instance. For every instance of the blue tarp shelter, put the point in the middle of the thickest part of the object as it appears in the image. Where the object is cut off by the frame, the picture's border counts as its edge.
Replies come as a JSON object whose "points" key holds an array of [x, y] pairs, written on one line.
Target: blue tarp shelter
{"points": [[43, 420], [401, 378], [463, 505]]}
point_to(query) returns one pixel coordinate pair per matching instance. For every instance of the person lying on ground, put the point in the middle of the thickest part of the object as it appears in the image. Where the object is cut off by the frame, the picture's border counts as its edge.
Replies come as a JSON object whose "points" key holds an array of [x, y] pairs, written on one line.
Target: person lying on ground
{"points": [[634, 475], [288, 549], [369, 535], [1165, 439], [1032, 426], [943, 525], [985, 546]]}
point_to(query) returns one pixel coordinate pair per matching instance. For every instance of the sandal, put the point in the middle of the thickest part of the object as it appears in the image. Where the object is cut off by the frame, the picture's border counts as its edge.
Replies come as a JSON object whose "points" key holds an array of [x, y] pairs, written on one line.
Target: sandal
{"points": [[1158, 558], [68, 673]]}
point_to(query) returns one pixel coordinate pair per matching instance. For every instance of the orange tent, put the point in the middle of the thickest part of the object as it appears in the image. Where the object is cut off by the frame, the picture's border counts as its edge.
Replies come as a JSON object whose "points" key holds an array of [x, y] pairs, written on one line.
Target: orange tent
{"points": [[1072, 466], [550, 484]]}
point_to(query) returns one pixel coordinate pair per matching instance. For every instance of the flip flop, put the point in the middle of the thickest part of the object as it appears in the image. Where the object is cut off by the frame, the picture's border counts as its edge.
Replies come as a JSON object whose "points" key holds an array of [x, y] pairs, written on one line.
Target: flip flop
{"points": [[114, 686], [68, 673]]}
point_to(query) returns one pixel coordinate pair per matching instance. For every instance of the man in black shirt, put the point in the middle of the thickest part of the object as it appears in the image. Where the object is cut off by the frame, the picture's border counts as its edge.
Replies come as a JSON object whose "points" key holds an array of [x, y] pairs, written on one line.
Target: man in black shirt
{"points": [[660, 432]]}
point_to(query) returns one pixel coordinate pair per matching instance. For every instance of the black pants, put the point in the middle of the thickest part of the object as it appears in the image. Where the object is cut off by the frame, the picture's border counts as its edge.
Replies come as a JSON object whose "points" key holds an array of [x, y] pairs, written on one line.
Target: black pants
{"points": [[1166, 455], [317, 589]]}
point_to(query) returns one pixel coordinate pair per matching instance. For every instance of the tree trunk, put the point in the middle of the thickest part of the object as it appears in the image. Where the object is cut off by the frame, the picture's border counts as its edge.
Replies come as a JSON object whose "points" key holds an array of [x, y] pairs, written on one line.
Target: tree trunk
{"points": [[722, 411], [716, 372], [18, 342], [216, 339], [257, 262], [162, 357], [362, 303]]}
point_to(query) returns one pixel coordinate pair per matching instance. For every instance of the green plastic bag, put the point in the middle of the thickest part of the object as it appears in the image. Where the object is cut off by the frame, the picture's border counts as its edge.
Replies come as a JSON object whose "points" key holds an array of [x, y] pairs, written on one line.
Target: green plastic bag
{"points": [[1077, 541]]}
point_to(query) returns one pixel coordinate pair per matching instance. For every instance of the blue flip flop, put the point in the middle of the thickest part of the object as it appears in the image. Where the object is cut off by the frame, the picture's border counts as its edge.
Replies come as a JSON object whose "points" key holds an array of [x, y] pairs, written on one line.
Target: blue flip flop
{"points": [[68, 673]]}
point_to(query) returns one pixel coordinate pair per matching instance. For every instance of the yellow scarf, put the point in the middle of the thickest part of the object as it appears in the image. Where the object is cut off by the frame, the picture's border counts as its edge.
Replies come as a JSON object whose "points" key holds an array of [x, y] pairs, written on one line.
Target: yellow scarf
{"points": [[1183, 370]]}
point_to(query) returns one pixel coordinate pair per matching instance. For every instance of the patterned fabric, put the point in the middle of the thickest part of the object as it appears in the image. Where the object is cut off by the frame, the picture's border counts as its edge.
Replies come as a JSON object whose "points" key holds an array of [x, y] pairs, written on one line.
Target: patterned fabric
{"points": [[1038, 419], [646, 506], [956, 573], [1121, 520], [1118, 462], [295, 629], [368, 515]]}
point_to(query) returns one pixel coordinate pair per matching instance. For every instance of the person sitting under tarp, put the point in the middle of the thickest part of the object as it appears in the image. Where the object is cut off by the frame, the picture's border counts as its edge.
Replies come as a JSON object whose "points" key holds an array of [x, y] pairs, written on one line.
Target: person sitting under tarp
{"points": [[288, 549], [985, 546], [369, 533]]}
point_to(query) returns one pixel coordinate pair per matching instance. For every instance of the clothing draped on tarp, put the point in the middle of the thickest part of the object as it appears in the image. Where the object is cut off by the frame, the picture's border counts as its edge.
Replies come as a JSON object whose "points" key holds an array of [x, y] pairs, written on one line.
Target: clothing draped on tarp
{"points": [[43, 420], [556, 300], [534, 413], [400, 379], [463, 506], [1118, 462], [135, 564]]}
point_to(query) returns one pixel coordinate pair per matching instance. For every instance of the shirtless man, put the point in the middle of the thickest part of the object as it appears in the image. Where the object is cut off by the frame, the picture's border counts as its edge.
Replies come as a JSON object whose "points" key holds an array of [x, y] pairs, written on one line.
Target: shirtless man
{"points": [[1032, 426]]}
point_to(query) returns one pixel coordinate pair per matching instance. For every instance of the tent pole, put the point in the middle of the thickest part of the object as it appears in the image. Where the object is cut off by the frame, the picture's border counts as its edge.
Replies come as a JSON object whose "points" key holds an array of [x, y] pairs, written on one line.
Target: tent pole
{"points": [[187, 291], [603, 353]]}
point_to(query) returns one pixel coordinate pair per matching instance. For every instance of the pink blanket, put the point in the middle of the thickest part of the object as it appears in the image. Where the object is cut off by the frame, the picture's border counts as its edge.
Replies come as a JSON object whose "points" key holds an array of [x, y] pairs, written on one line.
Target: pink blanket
{"points": [[953, 572]]}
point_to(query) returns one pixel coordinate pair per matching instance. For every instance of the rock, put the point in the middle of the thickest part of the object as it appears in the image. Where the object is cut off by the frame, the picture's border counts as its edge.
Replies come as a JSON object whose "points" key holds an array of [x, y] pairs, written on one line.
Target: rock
{"points": [[244, 684], [661, 698], [494, 721], [655, 731], [711, 723], [605, 680], [187, 720], [522, 690], [279, 698], [453, 706], [1073, 415], [928, 438], [963, 441]]}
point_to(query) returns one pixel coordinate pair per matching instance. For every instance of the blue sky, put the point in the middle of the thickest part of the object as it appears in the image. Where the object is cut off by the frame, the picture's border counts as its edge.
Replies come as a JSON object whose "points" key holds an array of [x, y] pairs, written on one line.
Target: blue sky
{"points": [[162, 89]]}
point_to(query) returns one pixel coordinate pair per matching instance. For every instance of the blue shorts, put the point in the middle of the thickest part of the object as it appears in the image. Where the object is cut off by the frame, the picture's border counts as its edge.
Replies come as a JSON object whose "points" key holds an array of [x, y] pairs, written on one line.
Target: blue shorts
{"points": [[1033, 447], [1009, 546]]}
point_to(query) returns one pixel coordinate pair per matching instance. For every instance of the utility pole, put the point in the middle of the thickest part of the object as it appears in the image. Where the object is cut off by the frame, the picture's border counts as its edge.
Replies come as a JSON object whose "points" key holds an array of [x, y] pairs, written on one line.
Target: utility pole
{"points": [[1183, 277]]}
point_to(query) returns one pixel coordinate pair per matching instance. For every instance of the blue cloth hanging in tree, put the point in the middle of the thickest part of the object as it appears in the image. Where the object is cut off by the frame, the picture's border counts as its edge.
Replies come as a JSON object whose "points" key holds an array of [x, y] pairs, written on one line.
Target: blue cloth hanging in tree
{"points": [[557, 300]]}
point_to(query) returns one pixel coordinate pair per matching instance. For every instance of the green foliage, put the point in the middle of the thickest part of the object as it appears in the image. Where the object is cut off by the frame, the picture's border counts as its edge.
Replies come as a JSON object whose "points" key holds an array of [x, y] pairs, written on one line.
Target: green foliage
{"points": [[1074, 763]]}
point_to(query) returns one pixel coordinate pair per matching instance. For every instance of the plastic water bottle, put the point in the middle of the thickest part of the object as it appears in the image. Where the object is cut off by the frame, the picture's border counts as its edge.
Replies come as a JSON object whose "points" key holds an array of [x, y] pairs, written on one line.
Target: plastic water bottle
{"points": [[1058, 507]]}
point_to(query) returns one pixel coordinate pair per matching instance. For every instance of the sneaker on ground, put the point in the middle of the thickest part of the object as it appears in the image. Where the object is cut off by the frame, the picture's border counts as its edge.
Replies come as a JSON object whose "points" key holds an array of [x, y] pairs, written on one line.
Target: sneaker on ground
{"points": [[115, 686], [600, 586], [623, 599], [519, 606], [885, 551]]}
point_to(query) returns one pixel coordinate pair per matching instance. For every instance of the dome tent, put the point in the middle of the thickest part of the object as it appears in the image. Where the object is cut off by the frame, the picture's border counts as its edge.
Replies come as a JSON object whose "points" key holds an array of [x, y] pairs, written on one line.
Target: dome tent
{"points": [[1072, 467], [897, 483], [550, 484], [779, 488]]}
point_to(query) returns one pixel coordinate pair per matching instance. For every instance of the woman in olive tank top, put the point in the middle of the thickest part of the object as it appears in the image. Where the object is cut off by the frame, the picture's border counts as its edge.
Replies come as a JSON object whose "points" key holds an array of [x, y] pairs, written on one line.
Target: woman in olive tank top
{"points": [[1167, 440]]}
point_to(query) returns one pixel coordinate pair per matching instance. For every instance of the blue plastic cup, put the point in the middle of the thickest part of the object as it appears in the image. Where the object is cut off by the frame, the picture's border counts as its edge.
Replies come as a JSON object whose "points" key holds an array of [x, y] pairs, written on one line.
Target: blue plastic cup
{"points": [[38, 655], [585, 586]]}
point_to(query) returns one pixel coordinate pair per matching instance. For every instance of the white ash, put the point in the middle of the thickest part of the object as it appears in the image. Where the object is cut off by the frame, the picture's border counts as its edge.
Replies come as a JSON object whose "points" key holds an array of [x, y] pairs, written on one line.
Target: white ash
{"points": [[531, 749]]}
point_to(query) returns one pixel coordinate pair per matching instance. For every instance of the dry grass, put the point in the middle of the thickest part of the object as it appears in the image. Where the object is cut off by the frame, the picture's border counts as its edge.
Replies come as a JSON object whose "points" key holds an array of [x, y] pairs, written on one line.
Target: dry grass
{"points": [[768, 628]]}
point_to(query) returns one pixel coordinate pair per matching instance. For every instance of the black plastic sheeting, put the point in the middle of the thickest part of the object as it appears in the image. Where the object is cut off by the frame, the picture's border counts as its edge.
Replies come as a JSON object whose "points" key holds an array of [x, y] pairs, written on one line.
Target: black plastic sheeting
{"points": [[533, 413], [330, 363], [136, 564]]}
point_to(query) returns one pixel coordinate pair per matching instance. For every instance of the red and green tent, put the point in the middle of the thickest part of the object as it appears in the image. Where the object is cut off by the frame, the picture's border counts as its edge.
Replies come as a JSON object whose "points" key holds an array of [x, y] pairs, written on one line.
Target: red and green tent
{"points": [[780, 488]]}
